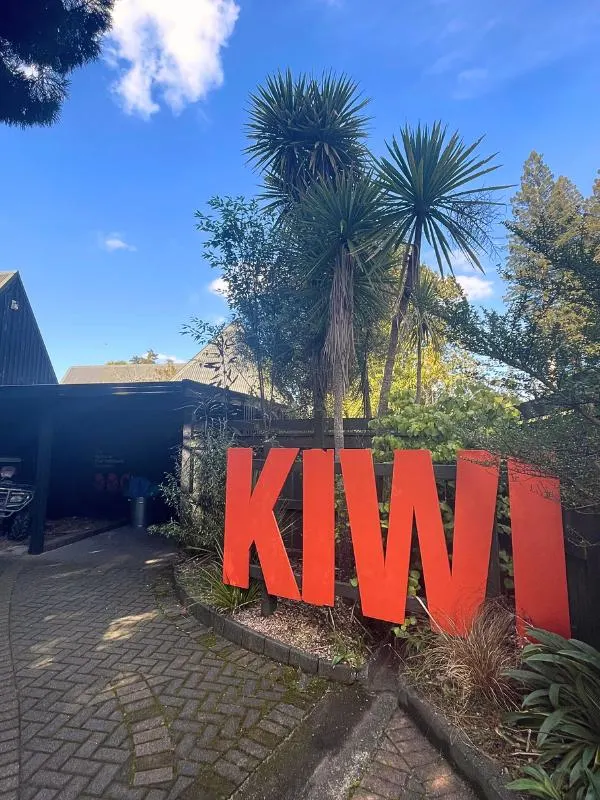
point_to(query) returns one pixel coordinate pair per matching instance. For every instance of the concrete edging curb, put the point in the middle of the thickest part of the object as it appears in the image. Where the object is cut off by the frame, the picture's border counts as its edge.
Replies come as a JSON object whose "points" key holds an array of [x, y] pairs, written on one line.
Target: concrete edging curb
{"points": [[265, 645], [71, 538], [481, 772]]}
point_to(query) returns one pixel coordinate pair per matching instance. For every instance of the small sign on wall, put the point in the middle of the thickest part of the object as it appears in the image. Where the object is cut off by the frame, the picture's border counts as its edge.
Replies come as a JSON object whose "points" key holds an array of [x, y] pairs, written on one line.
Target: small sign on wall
{"points": [[455, 589]]}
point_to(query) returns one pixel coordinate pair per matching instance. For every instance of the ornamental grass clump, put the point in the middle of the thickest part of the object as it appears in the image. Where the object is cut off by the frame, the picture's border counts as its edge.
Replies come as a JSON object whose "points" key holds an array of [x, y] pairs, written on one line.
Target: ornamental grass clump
{"points": [[221, 596], [471, 669]]}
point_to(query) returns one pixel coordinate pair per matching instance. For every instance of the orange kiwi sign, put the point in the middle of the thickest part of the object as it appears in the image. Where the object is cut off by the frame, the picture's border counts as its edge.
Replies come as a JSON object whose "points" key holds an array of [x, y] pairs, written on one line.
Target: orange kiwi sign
{"points": [[455, 587]]}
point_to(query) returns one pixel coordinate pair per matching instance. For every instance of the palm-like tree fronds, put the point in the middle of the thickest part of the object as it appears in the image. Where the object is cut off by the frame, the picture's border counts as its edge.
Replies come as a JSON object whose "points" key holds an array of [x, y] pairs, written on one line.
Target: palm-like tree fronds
{"points": [[304, 130], [339, 232], [425, 183], [423, 319]]}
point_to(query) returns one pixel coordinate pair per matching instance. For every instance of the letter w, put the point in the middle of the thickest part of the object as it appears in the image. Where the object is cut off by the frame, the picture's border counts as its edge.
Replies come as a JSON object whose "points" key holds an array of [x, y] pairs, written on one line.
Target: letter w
{"points": [[453, 594]]}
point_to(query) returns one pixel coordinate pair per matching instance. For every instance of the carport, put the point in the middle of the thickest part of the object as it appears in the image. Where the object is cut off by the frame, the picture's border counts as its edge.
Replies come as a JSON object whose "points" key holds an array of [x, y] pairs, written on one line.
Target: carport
{"points": [[80, 443]]}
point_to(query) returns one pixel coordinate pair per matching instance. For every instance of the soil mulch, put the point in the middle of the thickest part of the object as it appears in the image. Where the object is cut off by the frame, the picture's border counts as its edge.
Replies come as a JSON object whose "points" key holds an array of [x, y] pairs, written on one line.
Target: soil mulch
{"points": [[69, 525], [335, 634]]}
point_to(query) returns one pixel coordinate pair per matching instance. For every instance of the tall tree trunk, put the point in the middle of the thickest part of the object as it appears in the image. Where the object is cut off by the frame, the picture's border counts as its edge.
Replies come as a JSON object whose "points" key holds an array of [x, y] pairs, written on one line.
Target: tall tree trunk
{"points": [[338, 391], [409, 277], [318, 398], [366, 389], [390, 359], [339, 341], [261, 391], [418, 395], [388, 370]]}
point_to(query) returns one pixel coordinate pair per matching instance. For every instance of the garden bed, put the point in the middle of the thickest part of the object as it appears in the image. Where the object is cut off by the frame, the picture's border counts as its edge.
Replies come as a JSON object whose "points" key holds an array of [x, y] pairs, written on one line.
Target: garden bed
{"points": [[330, 641]]}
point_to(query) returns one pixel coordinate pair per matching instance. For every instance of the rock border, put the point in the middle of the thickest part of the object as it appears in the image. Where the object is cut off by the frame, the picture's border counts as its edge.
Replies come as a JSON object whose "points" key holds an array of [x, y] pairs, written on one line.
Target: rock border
{"points": [[481, 772], [265, 645]]}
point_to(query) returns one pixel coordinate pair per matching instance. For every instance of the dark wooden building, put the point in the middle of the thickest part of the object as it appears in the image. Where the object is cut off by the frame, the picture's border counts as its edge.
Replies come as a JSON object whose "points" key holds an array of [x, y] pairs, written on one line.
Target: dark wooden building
{"points": [[80, 443], [24, 359]]}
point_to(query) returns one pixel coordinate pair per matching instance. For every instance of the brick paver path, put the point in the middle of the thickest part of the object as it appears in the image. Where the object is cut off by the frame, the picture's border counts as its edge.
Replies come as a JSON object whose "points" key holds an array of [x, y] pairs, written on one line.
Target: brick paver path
{"points": [[407, 766], [108, 690]]}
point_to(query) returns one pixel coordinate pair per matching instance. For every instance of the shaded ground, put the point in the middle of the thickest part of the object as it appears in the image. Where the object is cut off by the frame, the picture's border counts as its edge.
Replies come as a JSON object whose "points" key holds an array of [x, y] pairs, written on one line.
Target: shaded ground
{"points": [[109, 691]]}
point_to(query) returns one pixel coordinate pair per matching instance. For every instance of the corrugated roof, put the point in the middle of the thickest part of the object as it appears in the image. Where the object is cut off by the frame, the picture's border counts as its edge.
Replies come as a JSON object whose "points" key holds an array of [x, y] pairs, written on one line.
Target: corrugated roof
{"points": [[206, 367], [118, 373], [5, 277]]}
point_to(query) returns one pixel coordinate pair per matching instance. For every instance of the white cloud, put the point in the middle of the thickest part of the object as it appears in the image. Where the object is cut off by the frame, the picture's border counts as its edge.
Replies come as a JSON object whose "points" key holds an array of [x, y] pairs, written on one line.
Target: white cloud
{"points": [[460, 263], [475, 52], [170, 48], [471, 82], [219, 287], [114, 241], [474, 287], [174, 359]]}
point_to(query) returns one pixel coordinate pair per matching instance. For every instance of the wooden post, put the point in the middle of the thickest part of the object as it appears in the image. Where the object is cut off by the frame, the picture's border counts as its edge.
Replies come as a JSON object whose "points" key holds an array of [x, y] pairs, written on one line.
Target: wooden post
{"points": [[268, 602], [187, 459], [42, 483], [494, 583]]}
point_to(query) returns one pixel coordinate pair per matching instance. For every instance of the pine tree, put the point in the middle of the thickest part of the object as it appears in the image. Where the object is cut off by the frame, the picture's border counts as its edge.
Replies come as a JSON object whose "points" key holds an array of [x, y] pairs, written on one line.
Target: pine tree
{"points": [[547, 215], [549, 335]]}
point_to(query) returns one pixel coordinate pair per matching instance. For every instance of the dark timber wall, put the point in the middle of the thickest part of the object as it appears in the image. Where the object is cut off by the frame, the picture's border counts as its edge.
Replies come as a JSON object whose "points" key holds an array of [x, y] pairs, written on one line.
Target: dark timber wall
{"points": [[23, 356]]}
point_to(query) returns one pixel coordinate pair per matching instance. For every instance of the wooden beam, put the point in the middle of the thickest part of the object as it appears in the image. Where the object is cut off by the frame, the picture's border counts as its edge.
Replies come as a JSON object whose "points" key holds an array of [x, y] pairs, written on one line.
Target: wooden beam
{"points": [[42, 482], [187, 458]]}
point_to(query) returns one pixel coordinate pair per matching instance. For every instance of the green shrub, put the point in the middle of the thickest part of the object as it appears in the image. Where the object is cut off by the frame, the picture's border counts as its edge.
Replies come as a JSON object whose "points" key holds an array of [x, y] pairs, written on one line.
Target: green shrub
{"points": [[199, 515], [562, 677], [453, 422]]}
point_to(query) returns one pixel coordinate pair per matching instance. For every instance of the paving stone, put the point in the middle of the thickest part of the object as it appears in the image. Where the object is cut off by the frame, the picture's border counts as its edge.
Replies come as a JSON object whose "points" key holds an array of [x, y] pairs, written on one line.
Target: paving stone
{"points": [[81, 766], [150, 776], [147, 736], [45, 794], [106, 681], [9, 784], [230, 771], [154, 746], [50, 778], [254, 748], [382, 788], [147, 724], [102, 779]]}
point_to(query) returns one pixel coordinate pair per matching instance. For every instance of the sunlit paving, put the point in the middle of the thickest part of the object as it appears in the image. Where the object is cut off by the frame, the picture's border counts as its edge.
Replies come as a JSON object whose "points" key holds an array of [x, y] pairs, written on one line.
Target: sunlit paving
{"points": [[123, 628]]}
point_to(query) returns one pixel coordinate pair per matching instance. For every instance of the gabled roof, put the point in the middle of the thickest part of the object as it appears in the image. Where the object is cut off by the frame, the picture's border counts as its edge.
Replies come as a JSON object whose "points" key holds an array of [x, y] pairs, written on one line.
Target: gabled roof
{"points": [[207, 367], [5, 278], [117, 373]]}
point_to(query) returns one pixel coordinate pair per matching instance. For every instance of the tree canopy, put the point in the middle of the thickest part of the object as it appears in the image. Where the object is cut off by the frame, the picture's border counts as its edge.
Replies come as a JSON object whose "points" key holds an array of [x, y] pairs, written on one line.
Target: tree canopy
{"points": [[548, 338], [41, 43]]}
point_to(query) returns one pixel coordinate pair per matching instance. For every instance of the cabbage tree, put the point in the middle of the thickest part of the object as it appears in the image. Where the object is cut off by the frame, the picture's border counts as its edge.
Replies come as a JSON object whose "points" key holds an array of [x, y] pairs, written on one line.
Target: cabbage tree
{"points": [[340, 234], [428, 182]]}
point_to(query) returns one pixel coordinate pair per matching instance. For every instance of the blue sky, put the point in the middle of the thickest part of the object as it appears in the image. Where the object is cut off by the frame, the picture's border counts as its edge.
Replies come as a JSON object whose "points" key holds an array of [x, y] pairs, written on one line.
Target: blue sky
{"points": [[98, 210]]}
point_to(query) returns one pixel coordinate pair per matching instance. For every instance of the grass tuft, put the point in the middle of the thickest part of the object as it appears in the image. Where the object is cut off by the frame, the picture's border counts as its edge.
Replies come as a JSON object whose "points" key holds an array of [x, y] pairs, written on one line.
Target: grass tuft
{"points": [[472, 668]]}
